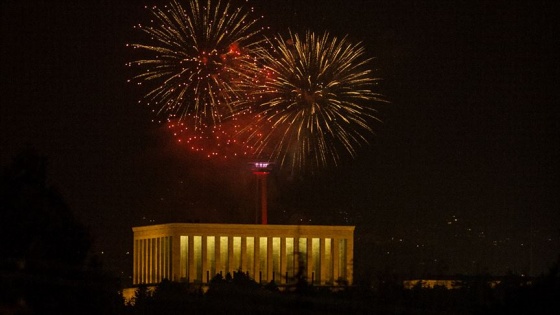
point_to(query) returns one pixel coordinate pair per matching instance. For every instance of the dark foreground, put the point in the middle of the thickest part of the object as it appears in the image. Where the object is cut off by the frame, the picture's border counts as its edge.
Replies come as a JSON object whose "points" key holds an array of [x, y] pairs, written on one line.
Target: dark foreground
{"points": [[90, 293]]}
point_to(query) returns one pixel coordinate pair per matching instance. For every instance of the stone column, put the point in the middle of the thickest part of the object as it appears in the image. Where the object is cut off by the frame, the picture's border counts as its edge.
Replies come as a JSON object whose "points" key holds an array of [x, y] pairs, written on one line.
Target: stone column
{"points": [[168, 259], [150, 260], [336, 258], [191, 275], [299, 257], [157, 256], [283, 261], [163, 257], [135, 262], [142, 262], [230, 254], [244, 253], [309, 267], [322, 263], [217, 255], [175, 257], [204, 257], [269, 262], [257, 260], [350, 260]]}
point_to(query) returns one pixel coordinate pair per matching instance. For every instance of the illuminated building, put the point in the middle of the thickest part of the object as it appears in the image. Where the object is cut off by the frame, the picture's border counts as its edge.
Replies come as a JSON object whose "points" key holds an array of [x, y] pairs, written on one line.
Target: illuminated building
{"points": [[196, 252]]}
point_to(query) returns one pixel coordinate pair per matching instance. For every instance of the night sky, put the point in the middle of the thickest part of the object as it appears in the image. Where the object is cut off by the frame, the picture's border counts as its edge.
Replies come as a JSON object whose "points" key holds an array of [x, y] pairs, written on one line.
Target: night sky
{"points": [[461, 177]]}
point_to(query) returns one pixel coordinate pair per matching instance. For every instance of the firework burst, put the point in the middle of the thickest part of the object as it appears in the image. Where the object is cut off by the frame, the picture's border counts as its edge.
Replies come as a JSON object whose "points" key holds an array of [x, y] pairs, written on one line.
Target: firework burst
{"points": [[315, 101], [197, 59]]}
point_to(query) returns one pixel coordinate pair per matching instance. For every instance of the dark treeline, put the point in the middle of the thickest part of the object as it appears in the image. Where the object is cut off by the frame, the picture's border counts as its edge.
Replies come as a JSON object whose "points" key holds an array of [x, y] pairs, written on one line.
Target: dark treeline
{"points": [[238, 294], [46, 267]]}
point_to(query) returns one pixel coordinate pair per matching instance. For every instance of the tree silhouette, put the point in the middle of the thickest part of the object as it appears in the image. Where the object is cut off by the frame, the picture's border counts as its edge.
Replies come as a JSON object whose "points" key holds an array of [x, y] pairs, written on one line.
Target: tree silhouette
{"points": [[37, 229], [44, 249]]}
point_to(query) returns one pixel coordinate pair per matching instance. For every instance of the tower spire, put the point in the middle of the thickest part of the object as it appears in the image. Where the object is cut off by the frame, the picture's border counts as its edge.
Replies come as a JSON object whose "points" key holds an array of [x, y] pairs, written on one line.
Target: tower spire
{"points": [[261, 170]]}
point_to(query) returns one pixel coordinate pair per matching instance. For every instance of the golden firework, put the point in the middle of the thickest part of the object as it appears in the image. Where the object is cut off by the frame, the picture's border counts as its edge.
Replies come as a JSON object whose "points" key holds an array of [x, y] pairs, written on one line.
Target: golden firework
{"points": [[196, 60], [315, 101]]}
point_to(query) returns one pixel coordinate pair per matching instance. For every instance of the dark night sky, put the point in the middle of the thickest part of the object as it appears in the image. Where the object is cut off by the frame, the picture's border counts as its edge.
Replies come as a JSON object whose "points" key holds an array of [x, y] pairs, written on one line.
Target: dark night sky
{"points": [[471, 133]]}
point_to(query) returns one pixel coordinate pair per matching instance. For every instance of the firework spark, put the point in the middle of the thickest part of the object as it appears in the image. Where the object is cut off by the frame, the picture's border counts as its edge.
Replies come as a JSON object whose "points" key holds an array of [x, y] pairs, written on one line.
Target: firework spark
{"points": [[213, 141], [315, 101], [198, 58]]}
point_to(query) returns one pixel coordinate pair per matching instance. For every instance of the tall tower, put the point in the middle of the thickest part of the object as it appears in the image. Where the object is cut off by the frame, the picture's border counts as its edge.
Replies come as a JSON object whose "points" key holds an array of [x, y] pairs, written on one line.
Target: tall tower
{"points": [[261, 170]]}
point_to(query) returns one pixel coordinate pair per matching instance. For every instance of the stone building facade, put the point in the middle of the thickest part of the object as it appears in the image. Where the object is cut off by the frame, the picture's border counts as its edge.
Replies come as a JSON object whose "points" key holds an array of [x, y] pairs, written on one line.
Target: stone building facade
{"points": [[196, 252]]}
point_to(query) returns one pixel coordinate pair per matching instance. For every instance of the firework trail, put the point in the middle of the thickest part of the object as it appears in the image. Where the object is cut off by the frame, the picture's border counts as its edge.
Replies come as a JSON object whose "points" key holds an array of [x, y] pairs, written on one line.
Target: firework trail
{"points": [[315, 101], [197, 59]]}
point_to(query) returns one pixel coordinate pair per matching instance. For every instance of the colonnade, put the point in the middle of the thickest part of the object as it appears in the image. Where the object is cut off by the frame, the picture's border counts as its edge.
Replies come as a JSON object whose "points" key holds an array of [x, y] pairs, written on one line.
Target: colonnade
{"points": [[197, 252], [152, 259]]}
